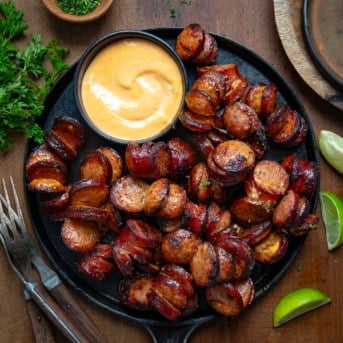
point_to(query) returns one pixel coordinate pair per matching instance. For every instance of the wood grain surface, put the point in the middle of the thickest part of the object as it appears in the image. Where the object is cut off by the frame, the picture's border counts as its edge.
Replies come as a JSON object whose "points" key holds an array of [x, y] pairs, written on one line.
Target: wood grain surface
{"points": [[250, 22], [288, 18]]}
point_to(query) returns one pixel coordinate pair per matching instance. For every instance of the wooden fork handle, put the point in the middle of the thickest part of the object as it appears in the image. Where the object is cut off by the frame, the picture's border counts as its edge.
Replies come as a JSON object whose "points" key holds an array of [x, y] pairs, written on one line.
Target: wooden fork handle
{"points": [[55, 313], [70, 306], [41, 326]]}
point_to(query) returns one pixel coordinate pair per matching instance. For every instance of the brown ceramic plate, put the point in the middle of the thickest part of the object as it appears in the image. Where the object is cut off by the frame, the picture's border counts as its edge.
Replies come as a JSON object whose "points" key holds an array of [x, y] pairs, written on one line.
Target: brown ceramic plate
{"points": [[323, 31]]}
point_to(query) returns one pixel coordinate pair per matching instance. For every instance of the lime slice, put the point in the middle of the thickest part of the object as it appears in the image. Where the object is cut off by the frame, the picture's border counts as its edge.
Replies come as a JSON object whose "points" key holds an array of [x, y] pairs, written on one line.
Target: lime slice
{"points": [[297, 303], [332, 212], [331, 146]]}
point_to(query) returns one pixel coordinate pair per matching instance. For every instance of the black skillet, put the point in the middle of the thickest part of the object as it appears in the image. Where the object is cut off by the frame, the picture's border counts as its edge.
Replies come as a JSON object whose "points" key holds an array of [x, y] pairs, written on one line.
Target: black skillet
{"points": [[61, 102]]}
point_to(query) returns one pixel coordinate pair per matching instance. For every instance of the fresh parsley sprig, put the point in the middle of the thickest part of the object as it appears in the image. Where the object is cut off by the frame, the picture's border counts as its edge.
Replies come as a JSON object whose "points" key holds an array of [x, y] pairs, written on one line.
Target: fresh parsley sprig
{"points": [[25, 78]]}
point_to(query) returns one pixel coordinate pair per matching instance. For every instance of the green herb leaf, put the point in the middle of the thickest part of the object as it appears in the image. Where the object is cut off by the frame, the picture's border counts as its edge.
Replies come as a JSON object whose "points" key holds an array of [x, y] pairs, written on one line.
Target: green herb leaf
{"points": [[25, 77], [173, 13], [205, 183], [299, 267]]}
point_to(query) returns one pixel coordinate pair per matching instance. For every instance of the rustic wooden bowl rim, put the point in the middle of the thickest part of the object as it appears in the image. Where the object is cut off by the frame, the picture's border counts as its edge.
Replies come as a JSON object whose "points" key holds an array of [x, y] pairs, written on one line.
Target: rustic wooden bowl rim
{"points": [[52, 6]]}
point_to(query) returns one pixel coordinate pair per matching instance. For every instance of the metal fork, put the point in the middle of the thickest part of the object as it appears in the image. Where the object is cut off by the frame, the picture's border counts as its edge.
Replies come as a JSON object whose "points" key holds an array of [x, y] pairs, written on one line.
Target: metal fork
{"points": [[22, 253]]}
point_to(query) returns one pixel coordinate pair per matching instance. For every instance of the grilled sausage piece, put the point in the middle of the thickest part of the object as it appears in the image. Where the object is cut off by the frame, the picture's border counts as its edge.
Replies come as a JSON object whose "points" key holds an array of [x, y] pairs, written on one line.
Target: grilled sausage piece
{"points": [[95, 264], [234, 157], [201, 145], [163, 306], [217, 220], [262, 98], [271, 249], [240, 120], [128, 194], [96, 166], [269, 178], [256, 233], [226, 265], [174, 205], [204, 265], [79, 235], [246, 289], [235, 83], [225, 299], [208, 52], [286, 127], [170, 225], [115, 160], [247, 211], [195, 216], [60, 145], [89, 193], [114, 220], [133, 292], [285, 213], [190, 41], [145, 235], [243, 255], [308, 224], [47, 186], [232, 230], [45, 171], [95, 267], [156, 196], [181, 275], [57, 203], [200, 103], [87, 213], [303, 175], [179, 246], [170, 290], [199, 183], [182, 158], [196, 123], [42, 153], [70, 134]]}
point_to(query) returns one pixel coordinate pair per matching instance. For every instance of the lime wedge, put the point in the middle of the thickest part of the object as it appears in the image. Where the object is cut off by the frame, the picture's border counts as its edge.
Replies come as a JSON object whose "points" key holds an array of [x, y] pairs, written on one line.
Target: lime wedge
{"points": [[297, 303], [332, 212], [331, 146]]}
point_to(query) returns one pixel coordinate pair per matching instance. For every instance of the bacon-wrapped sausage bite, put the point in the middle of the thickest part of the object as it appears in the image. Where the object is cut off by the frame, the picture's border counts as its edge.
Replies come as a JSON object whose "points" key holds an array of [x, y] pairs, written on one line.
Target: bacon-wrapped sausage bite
{"points": [[286, 127], [195, 45], [65, 137], [261, 97]]}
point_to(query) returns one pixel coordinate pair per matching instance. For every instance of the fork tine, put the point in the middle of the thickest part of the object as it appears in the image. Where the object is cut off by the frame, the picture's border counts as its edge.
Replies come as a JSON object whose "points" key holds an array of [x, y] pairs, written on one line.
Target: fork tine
{"points": [[16, 200], [7, 199], [4, 223], [14, 217]]}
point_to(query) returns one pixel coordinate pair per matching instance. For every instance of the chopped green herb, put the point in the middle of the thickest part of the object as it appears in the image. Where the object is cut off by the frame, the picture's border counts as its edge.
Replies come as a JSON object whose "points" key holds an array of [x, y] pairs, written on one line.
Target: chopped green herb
{"points": [[187, 176], [186, 2], [173, 13], [24, 79], [205, 183], [266, 207], [142, 198], [299, 267], [78, 7]]}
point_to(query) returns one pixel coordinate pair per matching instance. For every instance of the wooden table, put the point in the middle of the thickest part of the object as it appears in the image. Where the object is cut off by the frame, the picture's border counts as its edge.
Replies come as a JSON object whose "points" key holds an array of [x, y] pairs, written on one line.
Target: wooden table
{"points": [[252, 24]]}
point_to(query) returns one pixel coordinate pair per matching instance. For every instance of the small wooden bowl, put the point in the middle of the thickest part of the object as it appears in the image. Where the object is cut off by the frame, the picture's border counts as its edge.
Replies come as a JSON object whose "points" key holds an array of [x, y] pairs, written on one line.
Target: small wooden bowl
{"points": [[52, 6]]}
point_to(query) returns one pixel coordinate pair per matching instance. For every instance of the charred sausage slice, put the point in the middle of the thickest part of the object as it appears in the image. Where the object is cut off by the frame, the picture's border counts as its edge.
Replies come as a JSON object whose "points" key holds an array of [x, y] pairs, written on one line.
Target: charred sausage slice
{"points": [[115, 160], [128, 194], [79, 235], [225, 299], [89, 193], [179, 246], [156, 196], [175, 203], [96, 166], [272, 249], [204, 265]]}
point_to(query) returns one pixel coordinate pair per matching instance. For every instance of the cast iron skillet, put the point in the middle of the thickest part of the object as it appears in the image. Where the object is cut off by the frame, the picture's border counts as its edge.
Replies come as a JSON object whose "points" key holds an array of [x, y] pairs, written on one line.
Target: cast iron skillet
{"points": [[61, 102]]}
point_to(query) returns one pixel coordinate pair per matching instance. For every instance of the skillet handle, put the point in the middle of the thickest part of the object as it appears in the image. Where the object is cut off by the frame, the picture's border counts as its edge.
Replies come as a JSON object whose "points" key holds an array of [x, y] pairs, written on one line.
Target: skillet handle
{"points": [[172, 334]]}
